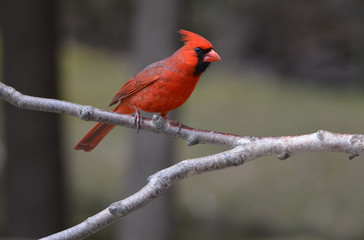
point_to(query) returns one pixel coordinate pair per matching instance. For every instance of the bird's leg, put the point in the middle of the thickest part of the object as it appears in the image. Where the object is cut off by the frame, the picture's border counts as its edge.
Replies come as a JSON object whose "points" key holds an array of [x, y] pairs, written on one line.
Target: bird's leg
{"points": [[137, 119]]}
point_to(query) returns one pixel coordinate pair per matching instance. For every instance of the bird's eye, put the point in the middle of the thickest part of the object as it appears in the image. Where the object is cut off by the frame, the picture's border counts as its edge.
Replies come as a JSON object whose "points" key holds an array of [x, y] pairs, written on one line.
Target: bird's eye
{"points": [[198, 50]]}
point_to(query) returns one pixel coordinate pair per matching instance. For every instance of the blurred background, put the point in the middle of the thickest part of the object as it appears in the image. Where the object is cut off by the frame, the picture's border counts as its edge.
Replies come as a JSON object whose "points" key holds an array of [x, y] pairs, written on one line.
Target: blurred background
{"points": [[288, 67]]}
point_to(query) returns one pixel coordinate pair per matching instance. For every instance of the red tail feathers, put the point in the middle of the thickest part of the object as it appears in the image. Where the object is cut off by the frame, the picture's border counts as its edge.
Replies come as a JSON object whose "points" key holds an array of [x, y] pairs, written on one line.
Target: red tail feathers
{"points": [[97, 133], [94, 136]]}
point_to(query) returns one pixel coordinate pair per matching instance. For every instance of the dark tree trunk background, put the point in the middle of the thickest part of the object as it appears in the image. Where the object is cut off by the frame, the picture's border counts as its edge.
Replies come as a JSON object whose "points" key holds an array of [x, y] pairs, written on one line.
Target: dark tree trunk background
{"points": [[33, 168], [155, 36]]}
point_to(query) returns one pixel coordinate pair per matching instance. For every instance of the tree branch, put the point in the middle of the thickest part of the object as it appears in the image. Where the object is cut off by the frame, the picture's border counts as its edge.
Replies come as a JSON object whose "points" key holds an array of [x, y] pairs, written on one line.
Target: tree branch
{"points": [[243, 150], [157, 124]]}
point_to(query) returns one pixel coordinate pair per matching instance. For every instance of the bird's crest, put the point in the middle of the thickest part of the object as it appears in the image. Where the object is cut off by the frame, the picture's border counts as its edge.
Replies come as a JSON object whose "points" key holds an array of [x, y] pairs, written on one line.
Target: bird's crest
{"points": [[190, 38]]}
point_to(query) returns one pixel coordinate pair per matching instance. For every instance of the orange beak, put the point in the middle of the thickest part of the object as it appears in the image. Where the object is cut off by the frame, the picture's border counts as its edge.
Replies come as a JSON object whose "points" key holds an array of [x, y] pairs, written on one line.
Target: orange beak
{"points": [[211, 56]]}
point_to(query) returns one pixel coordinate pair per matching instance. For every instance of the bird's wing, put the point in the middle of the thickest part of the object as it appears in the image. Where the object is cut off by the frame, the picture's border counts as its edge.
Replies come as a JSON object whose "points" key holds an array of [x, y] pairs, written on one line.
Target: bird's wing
{"points": [[142, 79]]}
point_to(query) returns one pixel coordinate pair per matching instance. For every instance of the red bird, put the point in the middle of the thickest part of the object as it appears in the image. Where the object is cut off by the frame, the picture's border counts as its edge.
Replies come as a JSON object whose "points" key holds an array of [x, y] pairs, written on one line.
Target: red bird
{"points": [[160, 87]]}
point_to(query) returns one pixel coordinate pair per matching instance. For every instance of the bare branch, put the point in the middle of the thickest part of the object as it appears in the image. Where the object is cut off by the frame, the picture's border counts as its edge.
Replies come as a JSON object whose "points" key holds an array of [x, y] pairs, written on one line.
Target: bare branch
{"points": [[244, 150], [157, 124], [322, 141]]}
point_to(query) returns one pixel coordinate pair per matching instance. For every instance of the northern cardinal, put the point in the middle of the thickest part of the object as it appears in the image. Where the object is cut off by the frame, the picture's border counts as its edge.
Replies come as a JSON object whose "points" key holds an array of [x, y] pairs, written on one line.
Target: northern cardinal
{"points": [[160, 87]]}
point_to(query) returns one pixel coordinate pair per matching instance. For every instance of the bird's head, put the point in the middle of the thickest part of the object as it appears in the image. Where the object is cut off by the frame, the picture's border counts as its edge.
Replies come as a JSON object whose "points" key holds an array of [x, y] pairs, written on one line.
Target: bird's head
{"points": [[197, 51]]}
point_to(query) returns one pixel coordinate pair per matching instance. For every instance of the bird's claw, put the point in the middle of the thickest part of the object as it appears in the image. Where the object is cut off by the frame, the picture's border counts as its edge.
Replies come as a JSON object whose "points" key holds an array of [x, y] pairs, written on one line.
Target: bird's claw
{"points": [[137, 119], [176, 124]]}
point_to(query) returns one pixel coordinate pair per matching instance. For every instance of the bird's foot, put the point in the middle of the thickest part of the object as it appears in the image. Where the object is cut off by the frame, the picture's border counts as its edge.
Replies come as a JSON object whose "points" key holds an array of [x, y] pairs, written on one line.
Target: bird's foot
{"points": [[137, 119], [175, 123]]}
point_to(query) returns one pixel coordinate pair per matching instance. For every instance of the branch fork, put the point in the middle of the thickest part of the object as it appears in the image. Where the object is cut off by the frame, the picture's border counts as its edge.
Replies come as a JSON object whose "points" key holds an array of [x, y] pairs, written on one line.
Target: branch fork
{"points": [[242, 150]]}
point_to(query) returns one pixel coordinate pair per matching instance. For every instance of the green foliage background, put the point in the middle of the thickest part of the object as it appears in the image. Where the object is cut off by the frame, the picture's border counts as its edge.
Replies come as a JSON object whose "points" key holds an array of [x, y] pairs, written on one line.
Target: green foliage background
{"points": [[308, 196]]}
